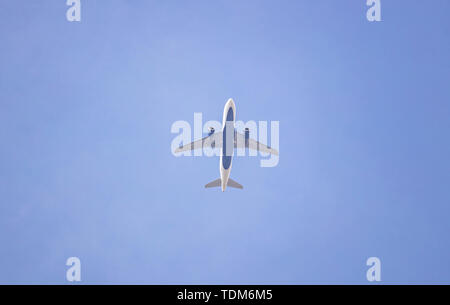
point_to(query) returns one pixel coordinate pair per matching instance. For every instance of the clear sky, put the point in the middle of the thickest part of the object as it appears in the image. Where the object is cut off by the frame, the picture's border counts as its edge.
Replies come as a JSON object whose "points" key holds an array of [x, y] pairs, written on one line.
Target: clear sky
{"points": [[86, 168]]}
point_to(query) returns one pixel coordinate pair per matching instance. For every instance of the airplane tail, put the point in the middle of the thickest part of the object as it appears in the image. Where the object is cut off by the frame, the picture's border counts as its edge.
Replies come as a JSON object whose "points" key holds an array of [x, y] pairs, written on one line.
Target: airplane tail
{"points": [[232, 183], [215, 183], [218, 183]]}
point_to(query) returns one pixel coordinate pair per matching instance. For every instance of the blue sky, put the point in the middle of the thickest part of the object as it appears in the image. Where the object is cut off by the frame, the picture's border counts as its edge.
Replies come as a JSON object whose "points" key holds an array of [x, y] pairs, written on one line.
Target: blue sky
{"points": [[86, 168]]}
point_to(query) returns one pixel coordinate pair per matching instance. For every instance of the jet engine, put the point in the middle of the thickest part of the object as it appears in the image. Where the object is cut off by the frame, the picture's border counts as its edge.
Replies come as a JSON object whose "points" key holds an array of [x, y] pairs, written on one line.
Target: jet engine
{"points": [[211, 131]]}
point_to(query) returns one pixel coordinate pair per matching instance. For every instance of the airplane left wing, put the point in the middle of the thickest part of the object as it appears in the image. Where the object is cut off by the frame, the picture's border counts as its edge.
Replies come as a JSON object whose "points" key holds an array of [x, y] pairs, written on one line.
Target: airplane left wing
{"points": [[214, 140]]}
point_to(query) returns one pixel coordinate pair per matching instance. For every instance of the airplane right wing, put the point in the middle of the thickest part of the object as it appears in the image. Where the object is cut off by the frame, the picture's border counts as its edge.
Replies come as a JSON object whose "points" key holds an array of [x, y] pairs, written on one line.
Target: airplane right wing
{"points": [[253, 144]]}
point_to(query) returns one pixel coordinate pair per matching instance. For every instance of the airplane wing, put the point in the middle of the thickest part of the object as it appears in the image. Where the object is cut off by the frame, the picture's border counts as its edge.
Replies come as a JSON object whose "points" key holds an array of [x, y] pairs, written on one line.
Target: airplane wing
{"points": [[253, 144], [214, 140]]}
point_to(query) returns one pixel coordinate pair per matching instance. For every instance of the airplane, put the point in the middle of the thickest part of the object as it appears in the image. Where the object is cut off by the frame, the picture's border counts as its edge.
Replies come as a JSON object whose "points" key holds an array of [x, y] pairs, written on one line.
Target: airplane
{"points": [[227, 140]]}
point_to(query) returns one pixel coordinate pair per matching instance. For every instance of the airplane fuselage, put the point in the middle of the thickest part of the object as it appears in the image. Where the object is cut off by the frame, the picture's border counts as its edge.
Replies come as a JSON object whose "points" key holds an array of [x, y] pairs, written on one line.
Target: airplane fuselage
{"points": [[226, 156]]}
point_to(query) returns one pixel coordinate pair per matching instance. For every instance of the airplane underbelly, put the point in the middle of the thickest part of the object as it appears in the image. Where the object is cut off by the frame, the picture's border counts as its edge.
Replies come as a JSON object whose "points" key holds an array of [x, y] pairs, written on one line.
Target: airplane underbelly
{"points": [[224, 173], [228, 144], [228, 134]]}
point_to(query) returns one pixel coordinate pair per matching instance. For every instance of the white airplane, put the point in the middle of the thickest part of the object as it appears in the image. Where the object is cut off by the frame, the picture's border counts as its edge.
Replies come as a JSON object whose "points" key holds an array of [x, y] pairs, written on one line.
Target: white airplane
{"points": [[227, 140]]}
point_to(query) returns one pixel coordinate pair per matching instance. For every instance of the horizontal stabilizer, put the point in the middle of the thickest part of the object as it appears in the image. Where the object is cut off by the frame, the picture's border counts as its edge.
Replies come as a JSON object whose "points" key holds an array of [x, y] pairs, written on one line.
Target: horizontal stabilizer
{"points": [[215, 183], [232, 183]]}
